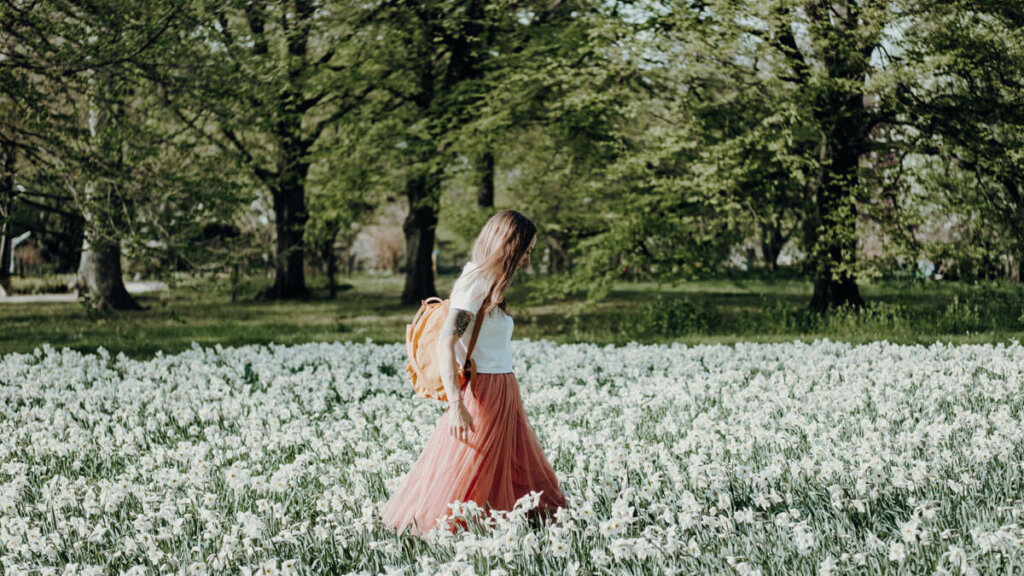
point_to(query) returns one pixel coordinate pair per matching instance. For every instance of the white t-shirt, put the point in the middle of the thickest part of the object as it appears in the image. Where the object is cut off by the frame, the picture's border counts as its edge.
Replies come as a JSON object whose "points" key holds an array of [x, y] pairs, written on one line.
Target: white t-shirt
{"points": [[493, 350]]}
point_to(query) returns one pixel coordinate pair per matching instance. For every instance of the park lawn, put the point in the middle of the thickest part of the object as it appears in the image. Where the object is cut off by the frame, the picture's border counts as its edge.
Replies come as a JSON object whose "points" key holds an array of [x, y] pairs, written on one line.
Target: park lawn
{"points": [[700, 312]]}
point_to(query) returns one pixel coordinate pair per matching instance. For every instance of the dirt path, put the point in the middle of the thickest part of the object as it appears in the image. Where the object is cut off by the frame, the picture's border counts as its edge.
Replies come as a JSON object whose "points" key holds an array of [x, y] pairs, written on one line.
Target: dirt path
{"points": [[132, 287]]}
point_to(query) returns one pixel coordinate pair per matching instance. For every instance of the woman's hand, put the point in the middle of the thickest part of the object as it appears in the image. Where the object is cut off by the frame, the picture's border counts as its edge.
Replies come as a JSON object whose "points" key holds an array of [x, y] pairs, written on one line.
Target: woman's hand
{"points": [[460, 423]]}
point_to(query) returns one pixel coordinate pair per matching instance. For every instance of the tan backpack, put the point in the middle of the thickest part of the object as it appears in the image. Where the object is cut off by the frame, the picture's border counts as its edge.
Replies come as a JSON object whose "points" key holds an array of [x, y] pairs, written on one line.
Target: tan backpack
{"points": [[421, 337]]}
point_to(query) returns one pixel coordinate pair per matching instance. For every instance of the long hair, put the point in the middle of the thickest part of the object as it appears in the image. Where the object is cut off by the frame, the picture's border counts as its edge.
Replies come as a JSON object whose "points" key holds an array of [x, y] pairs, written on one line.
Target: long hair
{"points": [[498, 249]]}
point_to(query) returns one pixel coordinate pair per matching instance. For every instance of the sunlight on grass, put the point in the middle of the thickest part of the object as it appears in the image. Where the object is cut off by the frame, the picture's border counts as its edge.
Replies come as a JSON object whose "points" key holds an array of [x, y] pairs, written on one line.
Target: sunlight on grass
{"points": [[709, 311]]}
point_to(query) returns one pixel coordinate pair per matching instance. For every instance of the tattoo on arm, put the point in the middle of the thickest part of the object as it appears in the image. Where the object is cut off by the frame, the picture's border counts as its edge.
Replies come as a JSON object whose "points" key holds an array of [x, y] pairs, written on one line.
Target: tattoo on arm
{"points": [[456, 323]]}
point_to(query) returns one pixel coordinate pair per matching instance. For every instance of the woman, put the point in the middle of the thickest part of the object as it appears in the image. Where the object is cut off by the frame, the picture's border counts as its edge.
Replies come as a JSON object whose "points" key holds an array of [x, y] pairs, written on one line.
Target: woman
{"points": [[482, 449]]}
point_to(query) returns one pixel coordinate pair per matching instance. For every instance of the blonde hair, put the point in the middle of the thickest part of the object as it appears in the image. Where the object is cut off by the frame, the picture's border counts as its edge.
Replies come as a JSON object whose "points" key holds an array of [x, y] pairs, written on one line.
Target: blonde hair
{"points": [[497, 250]]}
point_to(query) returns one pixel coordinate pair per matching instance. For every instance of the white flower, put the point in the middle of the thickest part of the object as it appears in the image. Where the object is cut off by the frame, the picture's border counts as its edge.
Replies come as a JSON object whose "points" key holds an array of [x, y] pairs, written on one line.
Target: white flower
{"points": [[289, 567], [827, 567], [745, 569], [598, 556], [803, 538], [956, 557], [910, 530], [693, 548], [761, 501], [897, 552], [558, 547], [529, 542], [269, 567], [621, 549], [744, 516], [227, 456]]}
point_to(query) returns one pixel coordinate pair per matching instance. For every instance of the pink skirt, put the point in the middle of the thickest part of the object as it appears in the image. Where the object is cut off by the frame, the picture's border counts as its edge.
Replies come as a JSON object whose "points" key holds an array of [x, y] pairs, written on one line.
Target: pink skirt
{"points": [[500, 462]]}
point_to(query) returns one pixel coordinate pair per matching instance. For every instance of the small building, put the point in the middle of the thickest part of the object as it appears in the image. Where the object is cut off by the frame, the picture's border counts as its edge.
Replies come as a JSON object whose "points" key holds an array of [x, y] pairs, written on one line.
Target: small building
{"points": [[27, 258]]}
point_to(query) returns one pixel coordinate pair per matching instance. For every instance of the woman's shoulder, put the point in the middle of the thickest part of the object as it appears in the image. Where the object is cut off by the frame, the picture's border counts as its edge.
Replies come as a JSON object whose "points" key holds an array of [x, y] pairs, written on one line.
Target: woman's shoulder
{"points": [[469, 280], [470, 274]]}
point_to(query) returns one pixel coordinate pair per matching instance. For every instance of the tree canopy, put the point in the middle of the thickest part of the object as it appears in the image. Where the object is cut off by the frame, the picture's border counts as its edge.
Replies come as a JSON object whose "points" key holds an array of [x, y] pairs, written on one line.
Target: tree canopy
{"points": [[646, 139]]}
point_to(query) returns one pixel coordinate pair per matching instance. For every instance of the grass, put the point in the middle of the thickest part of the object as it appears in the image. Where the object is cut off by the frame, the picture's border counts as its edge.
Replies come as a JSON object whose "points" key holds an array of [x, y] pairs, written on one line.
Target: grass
{"points": [[726, 310]]}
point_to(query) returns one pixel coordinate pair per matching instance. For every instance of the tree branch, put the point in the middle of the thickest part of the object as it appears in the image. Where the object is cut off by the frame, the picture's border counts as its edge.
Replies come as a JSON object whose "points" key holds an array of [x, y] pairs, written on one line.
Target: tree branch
{"points": [[46, 208], [786, 43], [340, 113]]}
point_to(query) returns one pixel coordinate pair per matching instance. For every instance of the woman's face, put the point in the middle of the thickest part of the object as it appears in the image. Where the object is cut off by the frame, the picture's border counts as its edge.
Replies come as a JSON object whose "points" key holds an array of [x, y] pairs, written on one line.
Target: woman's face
{"points": [[526, 255]]}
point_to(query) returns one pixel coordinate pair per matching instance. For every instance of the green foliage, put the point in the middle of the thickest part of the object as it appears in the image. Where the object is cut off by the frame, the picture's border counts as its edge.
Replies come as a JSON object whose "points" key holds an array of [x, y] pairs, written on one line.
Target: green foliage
{"points": [[960, 317], [960, 90], [675, 317], [100, 154], [43, 284], [646, 143], [705, 311]]}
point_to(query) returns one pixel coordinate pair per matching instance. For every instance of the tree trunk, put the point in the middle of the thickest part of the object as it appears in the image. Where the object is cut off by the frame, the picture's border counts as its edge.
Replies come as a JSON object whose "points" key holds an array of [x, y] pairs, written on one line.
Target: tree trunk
{"points": [[99, 276], [6, 209], [485, 180], [99, 266], [772, 241], [332, 269], [558, 256], [830, 293], [844, 123], [288, 185], [290, 218], [289, 275], [837, 243], [5, 258], [419, 230], [235, 277]]}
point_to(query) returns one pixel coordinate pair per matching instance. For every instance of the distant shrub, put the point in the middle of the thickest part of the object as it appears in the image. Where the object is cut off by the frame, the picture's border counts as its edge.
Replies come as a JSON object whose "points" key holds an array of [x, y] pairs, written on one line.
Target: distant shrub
{"points": [[873, 319], [778, 317], [959, 316], [47, 284], [675, 316]]}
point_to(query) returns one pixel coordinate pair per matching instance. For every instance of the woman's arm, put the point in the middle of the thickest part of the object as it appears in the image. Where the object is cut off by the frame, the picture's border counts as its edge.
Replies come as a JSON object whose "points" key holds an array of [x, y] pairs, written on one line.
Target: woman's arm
{"points": [[454, 327]]}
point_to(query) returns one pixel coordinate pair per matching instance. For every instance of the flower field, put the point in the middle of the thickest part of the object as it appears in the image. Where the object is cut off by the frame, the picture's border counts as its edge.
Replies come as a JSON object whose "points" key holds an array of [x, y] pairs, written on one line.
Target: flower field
{"points": [[793, 458]]}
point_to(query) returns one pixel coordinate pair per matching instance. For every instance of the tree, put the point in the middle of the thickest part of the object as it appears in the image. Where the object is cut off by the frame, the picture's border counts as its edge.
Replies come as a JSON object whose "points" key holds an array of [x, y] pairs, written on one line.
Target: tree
{"points": [[812, 59], [448, 60], [555, 87], [61, 59], [436, 50], [964, 109], [263, 81], [346, 189], [99, 274]]}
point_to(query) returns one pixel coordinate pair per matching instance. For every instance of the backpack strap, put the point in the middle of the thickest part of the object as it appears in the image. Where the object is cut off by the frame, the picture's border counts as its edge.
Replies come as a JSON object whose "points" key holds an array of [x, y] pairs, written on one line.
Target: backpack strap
{"points": [[476, 332]]}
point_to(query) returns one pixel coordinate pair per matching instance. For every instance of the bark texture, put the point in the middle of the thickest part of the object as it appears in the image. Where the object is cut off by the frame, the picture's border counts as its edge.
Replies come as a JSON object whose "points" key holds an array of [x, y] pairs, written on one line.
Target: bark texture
{"points": [[845, 124], [772, 241], [99, 267], [99, 276], [5, 260], [485, 180], [419, 227], [6, 206]]}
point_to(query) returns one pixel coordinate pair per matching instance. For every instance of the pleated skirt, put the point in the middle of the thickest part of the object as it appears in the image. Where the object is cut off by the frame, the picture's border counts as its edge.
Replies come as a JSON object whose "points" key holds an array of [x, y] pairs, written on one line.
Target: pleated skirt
{"points": [[500, 462]]}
